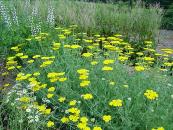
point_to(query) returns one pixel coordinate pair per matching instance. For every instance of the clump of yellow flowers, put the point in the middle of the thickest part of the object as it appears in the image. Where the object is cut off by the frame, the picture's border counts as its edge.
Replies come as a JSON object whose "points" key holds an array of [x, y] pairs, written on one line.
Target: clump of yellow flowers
{"points": [[116, 103], [150, 94]]}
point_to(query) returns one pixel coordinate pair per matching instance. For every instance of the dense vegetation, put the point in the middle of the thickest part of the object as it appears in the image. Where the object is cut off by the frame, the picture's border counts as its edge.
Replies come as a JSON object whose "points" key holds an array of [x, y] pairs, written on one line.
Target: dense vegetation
{"points": [[167, 22], [72, 65]]}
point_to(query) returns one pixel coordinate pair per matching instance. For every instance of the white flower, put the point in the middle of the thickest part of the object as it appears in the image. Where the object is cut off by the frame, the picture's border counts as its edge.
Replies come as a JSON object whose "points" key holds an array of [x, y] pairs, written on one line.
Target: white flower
{"points": [[169, 84], [20, 121], [172, 96], [28, 110], [129, 98], [30, 117], [30, 121], [36, 118], [92, 119], [24, 91]]}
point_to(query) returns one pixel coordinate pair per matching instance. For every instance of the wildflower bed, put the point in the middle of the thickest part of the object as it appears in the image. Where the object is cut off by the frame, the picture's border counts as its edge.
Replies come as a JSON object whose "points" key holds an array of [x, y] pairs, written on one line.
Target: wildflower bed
{"points": [[69, 80]]}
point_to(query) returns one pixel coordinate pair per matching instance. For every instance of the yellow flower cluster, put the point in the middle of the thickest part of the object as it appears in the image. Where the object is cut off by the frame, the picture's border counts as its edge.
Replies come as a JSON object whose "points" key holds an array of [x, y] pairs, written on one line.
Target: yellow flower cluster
{"points": [[150, 94], [107, 118], [83, 75], [116, 103], [56, 46], [159, 128], [87, 96], [54, 77]]}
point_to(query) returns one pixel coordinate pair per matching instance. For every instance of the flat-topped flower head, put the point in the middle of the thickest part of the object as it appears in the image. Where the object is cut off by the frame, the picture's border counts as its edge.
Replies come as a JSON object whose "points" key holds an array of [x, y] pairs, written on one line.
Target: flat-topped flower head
{"points": [[87, 54], [116, 103], [106, 118], [150, 94], [50, 124], [87, 96], [107, 68]]}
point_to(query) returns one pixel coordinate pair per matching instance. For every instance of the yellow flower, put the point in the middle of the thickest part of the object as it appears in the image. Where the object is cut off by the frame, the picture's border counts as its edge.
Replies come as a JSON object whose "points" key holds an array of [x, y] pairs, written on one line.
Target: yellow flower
{"points": [[83, 77], [42, 108], [148, 59], [81, 126], [112, 83], [19, 54], [47, 111], [94, 63], [168, 64], [30, 61], [61, 36], [67, 46], [24, 99], [72, 103], [116, 103], [50, 124], [139, 68], [148, 42], [84, 83], [56, 46], [82, 71], [64, 120], [125, 86], [74, 118], [5, 73], [122, 58], [87, 96], [140, 53], [74, 110], [87, 54], [150, 94], [19, 67], [107, 68], [36, 56], [97, 128], [54, 74], [51, 89], [108, 61], [11, 68], [61, 99], [106, 118], [24, 57], [62, 79], [15, 48], [84, 119], [36, 74], [159, 128], [46, 63], [6, 85], [50, 95]]}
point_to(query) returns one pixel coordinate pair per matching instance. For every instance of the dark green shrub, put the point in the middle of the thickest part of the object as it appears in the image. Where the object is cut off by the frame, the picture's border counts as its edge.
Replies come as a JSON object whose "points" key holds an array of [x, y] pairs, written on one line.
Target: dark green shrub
{"points": [[168, 18]]}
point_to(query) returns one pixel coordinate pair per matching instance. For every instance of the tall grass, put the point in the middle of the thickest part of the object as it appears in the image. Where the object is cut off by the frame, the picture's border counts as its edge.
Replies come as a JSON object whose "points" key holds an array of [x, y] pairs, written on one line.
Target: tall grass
{"points": [[137, 24]]}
